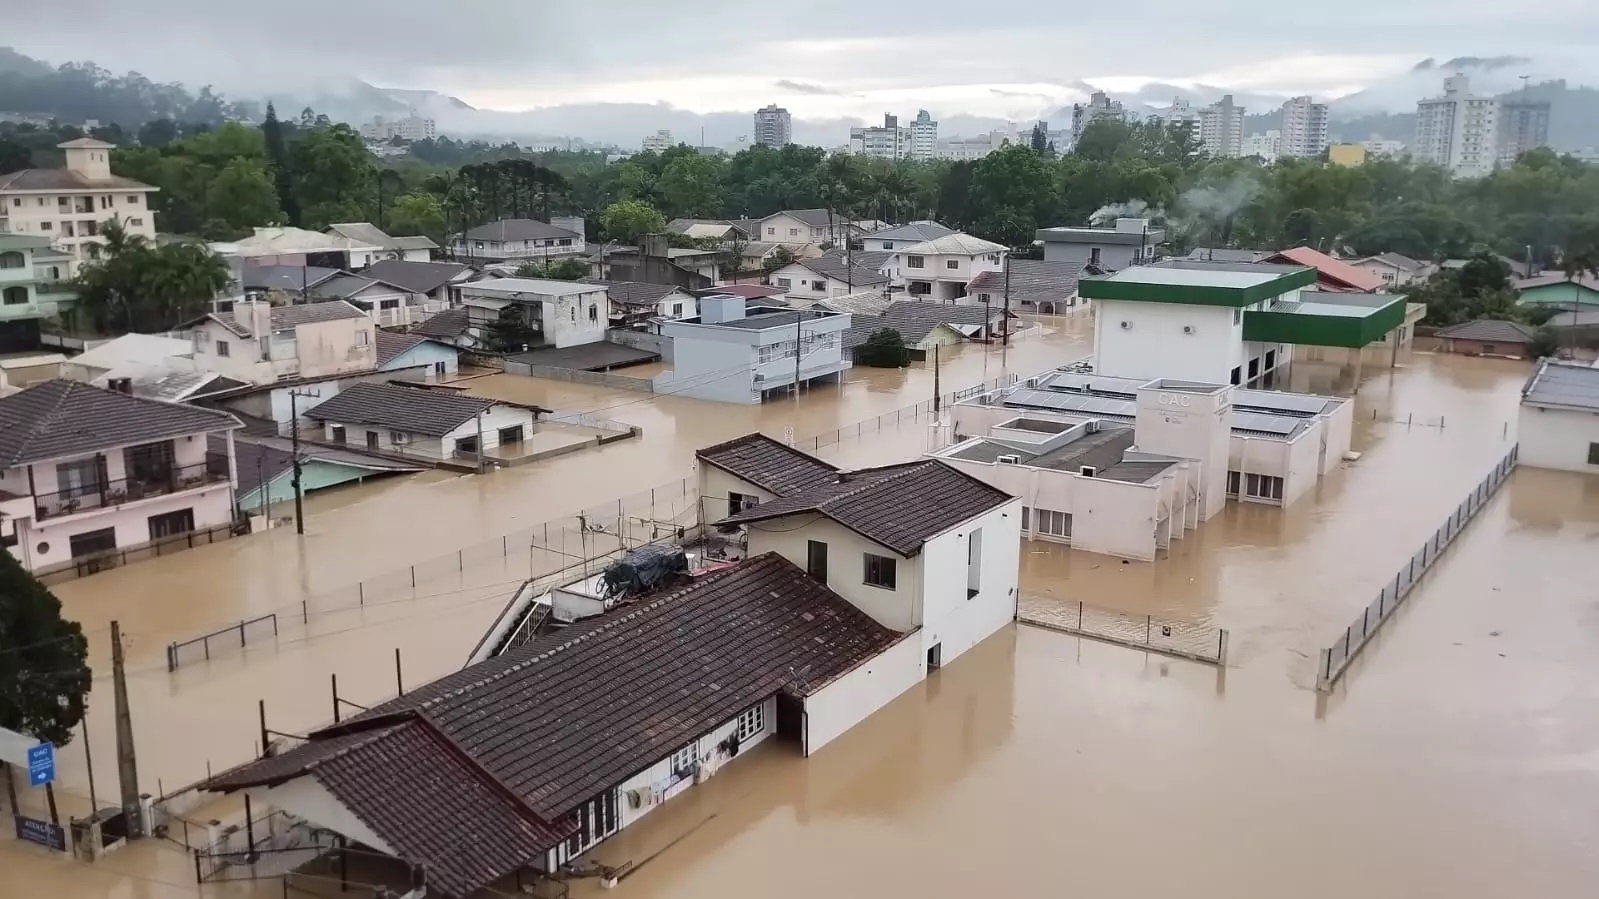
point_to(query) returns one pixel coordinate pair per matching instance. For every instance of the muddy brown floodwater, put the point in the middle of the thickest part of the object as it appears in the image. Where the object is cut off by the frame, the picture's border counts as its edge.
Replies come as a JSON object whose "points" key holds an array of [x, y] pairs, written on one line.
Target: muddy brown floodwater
{"points": [[1455, 759]]}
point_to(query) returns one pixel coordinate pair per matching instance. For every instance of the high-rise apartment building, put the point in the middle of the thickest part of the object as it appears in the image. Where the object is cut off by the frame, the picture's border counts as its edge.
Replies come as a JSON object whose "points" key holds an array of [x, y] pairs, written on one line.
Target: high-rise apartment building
{"points": [[1459, 130], [1304, 129], [413, 128], [924, 136], [1099, 106], [1523, 126], [774, 127], [1267, 146], [1221, 128], [660, 141], [887, 142]]}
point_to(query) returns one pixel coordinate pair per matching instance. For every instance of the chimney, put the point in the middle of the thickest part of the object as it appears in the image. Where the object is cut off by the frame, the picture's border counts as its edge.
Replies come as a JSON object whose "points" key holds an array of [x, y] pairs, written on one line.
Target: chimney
{"points": [[656, 245], [719, 308], [254, 316]]}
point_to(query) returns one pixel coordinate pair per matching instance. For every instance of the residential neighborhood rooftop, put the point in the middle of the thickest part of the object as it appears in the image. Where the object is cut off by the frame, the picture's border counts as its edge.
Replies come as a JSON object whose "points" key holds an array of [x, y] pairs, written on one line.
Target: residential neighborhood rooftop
{"points": [[543, 287], [956, 244], [898, 506], [1335, 270], [914, 320], [836, 268], [1490, 330], [520, 229], [1103, 450], [913, 231], [417, 277], [1031, 280], [501, 753], [447, 325], [412, 410], [66, 418], [66, 179], [368, 233], [769, 464]]}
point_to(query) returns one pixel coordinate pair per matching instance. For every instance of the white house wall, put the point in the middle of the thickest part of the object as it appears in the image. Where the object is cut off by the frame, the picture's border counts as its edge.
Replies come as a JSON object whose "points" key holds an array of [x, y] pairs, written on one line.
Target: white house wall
{"points": [[1557, 438], [1154, 345], [716, 484], [1304, 465], [49, 542], [951, 619], [305, 798], [1337, 429], [895, 609], [493, 420], [853, 696]]}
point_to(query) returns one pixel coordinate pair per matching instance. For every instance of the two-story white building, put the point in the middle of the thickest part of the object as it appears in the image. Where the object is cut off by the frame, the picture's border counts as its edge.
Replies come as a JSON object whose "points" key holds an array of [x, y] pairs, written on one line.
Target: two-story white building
{"points": [[545, 313], [1558, 425], [71, 205], [889, 240], [861, 584], [940, 269], [825, 276], [258, 343], [412, 248], [24, 296], [88, 473], [800, 227], [1224, 323], [519, 240], [734, 353]]}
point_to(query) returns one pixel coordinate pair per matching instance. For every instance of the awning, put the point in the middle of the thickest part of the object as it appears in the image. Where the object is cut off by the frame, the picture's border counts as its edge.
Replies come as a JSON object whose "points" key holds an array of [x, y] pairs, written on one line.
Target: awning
{"points": [[1326, 319]]}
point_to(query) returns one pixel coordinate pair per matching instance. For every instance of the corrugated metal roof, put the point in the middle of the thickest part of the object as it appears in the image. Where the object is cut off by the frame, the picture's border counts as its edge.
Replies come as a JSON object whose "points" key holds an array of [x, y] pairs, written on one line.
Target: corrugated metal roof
{"points": [[1563, 384]]}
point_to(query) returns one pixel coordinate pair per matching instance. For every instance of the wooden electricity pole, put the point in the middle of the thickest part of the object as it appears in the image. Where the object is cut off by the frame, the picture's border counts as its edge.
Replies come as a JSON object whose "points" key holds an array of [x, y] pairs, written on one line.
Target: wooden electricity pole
{"points": [[127, 762]]}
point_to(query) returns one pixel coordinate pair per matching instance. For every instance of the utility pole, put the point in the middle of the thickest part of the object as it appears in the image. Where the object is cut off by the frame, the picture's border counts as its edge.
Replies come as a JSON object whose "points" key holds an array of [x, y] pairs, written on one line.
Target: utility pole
{"points": [[127, 762], [799, 336], [938, 403], [1005, 322], [294, 448], [480, 453]]}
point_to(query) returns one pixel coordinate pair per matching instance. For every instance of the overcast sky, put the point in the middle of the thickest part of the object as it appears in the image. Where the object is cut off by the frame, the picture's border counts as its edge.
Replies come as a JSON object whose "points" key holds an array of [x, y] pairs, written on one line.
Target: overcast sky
{"points": [[820, 58]]}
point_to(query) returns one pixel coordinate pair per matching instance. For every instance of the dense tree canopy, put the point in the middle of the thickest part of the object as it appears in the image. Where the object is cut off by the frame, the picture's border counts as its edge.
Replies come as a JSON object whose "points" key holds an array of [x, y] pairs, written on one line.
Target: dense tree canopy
{"points": [[136, 285], [44, 673]]}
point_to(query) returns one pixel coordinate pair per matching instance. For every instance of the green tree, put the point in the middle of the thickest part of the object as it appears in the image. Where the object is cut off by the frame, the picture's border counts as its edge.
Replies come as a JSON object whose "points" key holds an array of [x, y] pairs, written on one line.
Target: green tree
{"points": [[277, 151], [779, 258], [44, 671], [558, 270], [14, 156], [419, 214], [334, 176], [884, 348], [138, 286], [1545, 343], [241, 197], [628, 220], [689, 187]]}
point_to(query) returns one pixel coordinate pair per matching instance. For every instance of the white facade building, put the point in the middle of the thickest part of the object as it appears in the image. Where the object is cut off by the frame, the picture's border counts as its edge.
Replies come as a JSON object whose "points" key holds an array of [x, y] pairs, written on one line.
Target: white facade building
{"points": [[890, 141], [1266, 146], [555, 313], [659, 142], [940, 269], [259, 343], [774, 127], [1379, 147], [1304, 128], [519, 240], [734, 353], [1459, 130], [419, 423], [86, 472], [411, 128], [71, 205], [1099, 106], [802, 227], [1559, 420], [924, 136], [1221, 128]]}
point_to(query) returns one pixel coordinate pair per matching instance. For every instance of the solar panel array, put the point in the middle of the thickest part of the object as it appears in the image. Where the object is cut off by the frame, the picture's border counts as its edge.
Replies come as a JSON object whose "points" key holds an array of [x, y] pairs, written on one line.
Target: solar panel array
{"points": [[1062, 401], [1297, 403], [1260, 423]]}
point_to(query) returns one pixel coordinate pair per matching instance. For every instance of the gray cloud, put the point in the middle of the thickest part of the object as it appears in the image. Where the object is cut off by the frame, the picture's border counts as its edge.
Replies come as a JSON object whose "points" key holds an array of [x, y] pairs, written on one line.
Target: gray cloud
{"points": [[805, 87]]}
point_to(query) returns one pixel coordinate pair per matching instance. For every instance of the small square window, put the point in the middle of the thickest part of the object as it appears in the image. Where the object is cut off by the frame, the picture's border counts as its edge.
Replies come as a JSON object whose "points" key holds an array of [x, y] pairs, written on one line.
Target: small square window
{"points": [[880, 571], [1593, 454], [952, 263], [222, 348], [914, 262], [751, 723]]}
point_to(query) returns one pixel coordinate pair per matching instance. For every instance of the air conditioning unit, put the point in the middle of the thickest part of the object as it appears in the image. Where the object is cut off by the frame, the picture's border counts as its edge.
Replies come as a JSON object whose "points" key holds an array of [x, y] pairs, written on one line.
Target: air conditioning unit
{"points": [[1009, 460], [1127, 326], [1088, 471], [1188, 329]]}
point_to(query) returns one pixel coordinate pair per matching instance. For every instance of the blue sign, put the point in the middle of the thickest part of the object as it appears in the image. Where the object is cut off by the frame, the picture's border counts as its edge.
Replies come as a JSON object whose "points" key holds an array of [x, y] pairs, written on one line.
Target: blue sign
{"points": [[41, 764], [44, 833]]}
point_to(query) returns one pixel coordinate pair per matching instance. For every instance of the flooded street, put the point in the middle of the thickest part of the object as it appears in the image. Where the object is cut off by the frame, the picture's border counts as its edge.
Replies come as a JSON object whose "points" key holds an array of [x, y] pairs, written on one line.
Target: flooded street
{"points": [[1455, 758]]}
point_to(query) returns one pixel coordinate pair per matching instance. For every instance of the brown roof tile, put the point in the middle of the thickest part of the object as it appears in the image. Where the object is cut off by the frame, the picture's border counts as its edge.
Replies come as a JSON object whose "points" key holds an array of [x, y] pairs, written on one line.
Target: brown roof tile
{"points": [[898, 506], [768, 464], [63, 418]]}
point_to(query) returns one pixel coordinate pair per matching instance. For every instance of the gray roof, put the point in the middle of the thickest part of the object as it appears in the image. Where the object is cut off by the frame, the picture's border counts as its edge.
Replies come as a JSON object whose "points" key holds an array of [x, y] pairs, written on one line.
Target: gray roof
{"points": [[1563, 384], [769, 464], [368, 233], [65, 179], [391, 345], [914, 231], [417, 277], [449, 324], [260, 459], [520, 229], [1220, 254], [1403, 263], [285, 277], [834, 267], [65, 418], [914, 320], [637, 293], [815, 218], [867, 259], [1102, 450], [1031, 280], [1582, 318], [343, 286], [1489, 330], [601, 355], [312, 313], [431, 413], [1101, 236]]}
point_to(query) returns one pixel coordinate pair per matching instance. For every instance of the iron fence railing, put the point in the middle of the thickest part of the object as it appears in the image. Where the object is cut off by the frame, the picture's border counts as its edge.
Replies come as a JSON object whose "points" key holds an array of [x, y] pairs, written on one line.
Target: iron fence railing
{"points": [[1185, 639], [1336, 658], [83, 566], [197, 648], [108, 493]]}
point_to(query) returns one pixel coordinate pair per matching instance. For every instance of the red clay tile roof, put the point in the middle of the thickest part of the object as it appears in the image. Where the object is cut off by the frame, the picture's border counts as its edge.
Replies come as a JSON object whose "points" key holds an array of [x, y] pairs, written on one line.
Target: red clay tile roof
{"points": [[570, 715], [1329, 270], [768, 464], [423, 796], [898, 506]]}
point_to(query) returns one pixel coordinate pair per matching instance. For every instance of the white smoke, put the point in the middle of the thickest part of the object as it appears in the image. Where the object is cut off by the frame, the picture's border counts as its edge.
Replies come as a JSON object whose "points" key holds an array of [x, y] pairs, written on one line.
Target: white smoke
{"points": [[1106, 215]]}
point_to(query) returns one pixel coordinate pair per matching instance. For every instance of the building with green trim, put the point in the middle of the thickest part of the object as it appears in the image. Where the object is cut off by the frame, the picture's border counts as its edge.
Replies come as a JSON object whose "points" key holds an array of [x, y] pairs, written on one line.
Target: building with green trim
{"points": [[1558, 291], [33, 286], [1226, 323]]}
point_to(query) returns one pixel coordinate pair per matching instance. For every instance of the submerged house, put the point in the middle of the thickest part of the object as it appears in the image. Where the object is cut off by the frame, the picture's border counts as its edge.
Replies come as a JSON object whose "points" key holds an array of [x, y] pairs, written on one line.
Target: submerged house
{"points": [[527, 760]]}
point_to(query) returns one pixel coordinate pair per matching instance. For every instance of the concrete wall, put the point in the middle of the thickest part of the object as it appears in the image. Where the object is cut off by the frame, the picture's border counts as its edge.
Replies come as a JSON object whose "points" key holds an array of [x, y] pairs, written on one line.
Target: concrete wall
{"points": [[1337, 429], [426, 356], [952, 619], [852, 697], [642, 340], [577, 319], [715, 485], [1557, 438], [1154, 345], [1303, 464], [897, 609], [1190, 424], [1113, 256], [304, 798], [708, 365]]}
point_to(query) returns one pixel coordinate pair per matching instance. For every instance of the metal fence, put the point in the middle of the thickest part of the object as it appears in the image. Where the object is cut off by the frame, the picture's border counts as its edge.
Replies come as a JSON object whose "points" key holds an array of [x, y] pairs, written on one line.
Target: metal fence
{"points": [[1184, 639], [197, 648], [84, 566], [270, 846], [1336, 658], [549, 548]]}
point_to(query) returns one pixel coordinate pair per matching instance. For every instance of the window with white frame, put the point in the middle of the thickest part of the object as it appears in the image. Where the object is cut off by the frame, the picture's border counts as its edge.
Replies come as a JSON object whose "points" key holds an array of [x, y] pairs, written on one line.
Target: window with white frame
{"points": [[222, 348], [684, 759], [1052, 523], [952, 263], [750, 723], [880, 571], [915, 262], [362, 338], [784, 283]]}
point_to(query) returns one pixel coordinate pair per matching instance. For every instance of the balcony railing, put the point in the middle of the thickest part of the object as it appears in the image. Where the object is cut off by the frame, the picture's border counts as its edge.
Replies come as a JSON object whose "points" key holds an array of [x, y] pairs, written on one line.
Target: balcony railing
{"points": [[110, 494]]}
